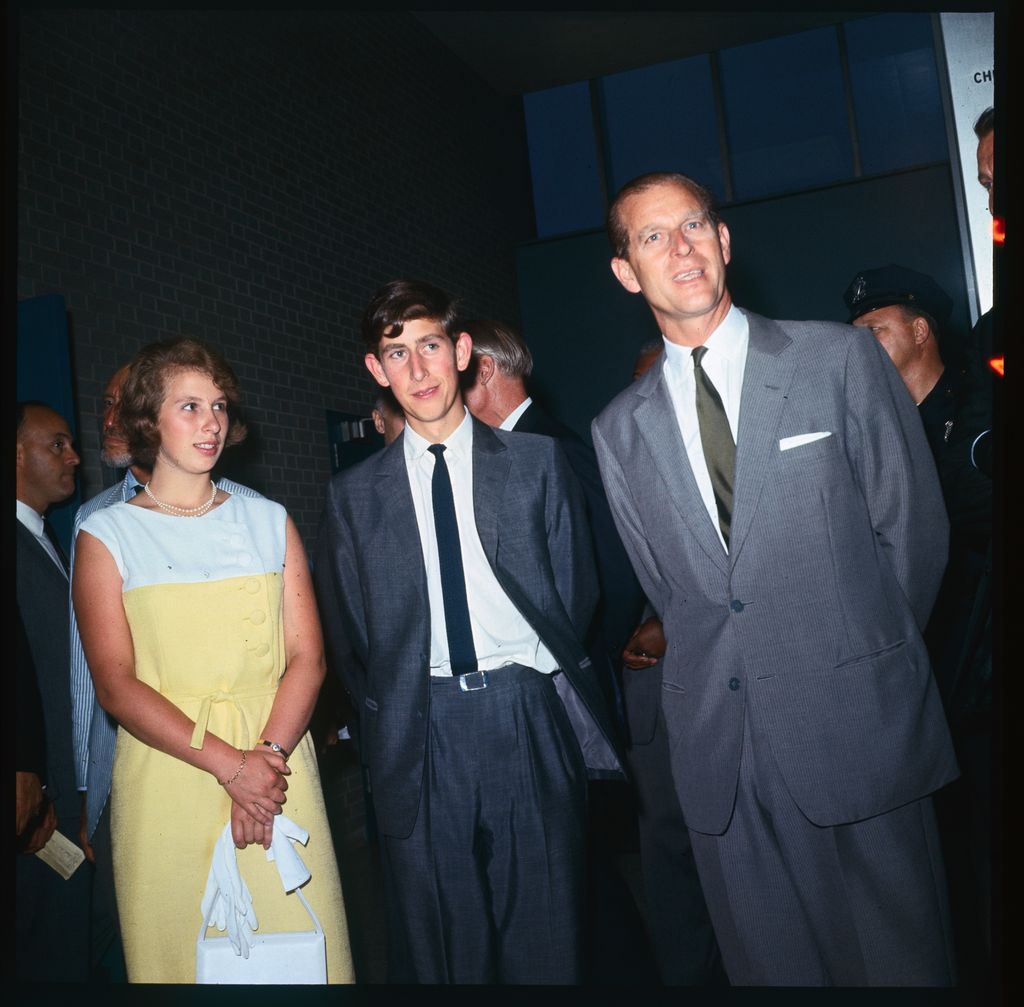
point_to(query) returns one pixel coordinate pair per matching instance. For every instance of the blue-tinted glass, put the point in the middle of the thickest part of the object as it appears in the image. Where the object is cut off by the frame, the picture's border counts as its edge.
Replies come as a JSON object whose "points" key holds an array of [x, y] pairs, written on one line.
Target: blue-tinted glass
{"points": [[785, 114], [895, 91], [563, 160], [662, 118]]}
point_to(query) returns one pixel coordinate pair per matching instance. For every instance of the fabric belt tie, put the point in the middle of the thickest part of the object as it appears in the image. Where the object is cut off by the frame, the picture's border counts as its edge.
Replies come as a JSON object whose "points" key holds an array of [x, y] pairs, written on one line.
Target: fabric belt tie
{"points": [[206, 703]]}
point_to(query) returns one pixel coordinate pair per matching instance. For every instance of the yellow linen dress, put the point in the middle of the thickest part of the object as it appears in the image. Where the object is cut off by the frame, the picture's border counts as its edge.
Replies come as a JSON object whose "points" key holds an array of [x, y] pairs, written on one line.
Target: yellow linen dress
{"points": [[203, 597]]}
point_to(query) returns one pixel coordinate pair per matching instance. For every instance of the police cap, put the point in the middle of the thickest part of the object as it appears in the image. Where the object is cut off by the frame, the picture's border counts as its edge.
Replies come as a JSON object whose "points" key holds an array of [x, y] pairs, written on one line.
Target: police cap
{"points": [[878, 288]]}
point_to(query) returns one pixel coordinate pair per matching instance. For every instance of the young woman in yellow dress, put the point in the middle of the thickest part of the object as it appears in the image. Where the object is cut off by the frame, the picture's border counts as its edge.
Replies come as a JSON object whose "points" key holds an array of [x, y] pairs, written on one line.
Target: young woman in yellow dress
{"points": [[200, 628]]}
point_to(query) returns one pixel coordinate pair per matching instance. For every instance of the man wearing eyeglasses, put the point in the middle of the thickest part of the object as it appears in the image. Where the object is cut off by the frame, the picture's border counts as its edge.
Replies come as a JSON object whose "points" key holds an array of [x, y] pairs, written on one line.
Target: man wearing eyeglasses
{"points": [[774, 488]]}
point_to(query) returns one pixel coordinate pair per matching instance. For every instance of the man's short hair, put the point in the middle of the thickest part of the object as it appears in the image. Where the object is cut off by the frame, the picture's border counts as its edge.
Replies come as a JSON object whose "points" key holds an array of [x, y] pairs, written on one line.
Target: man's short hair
{"points": [[617, 235], [986, 123], [503, 344], [145, 388], [402, 301]]}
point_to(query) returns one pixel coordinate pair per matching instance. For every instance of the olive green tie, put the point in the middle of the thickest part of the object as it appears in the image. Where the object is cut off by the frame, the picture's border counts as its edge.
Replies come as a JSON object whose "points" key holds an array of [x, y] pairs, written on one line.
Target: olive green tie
{"points": [[716, 439]]}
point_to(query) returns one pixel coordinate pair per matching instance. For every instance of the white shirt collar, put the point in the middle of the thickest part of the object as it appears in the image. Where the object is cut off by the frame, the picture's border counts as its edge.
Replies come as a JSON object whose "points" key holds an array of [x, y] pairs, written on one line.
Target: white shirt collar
{"points": [[458, 444], [727, 342], [31, 519], [510, 421]]}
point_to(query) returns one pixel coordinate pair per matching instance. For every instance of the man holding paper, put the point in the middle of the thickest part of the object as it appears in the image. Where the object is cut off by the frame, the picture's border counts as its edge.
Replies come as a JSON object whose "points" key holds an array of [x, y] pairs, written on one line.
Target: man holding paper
{"points": [[52, 914]]}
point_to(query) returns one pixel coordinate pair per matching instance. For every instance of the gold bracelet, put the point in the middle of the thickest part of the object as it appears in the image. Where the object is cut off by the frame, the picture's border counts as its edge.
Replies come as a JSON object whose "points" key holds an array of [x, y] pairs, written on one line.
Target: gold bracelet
{"points": [[238, 772]]}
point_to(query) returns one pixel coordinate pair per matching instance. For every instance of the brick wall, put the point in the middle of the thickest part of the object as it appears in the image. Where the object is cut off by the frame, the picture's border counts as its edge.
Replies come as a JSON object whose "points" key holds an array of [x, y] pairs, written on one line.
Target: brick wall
{"points": [[252, 178]]}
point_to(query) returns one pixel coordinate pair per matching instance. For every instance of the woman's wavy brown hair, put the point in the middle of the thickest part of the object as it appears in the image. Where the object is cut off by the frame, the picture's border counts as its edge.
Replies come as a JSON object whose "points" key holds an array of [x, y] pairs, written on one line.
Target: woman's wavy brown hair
{"points": [[146, 387]]}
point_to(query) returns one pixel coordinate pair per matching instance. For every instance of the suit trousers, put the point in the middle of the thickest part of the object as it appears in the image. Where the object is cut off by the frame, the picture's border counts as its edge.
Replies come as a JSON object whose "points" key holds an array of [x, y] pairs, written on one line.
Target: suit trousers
{"points": [[677, 917], [797, 904], [51, 918], [105, 927], [488, 887]]}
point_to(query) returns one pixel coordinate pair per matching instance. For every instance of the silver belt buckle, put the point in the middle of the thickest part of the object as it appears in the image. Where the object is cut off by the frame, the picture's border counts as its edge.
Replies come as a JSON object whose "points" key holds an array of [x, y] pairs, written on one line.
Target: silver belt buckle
{"points": [[473, 681]]}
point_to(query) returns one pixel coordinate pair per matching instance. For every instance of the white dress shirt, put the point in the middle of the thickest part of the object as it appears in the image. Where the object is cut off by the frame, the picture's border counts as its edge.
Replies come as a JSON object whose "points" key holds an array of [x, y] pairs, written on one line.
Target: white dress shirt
{"points": [[501, 635], [724, 364], [33, 521], [510, 421]]}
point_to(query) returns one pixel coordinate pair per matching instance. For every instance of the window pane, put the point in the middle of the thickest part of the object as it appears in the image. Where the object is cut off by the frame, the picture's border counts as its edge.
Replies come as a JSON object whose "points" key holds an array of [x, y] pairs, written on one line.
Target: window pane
{"points": [[563, 160], [895, 91], [662, 118], [785, 114]]}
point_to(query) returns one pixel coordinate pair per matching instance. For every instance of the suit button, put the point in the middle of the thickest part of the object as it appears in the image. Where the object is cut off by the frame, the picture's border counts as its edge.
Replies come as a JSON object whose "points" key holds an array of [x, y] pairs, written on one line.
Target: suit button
{"points": [[737, 605], [734, 684]]}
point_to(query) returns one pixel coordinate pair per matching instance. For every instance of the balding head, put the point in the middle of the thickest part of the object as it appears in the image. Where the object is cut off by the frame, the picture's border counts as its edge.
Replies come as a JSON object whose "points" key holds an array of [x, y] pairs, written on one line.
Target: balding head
{"points": [[46, 459]]}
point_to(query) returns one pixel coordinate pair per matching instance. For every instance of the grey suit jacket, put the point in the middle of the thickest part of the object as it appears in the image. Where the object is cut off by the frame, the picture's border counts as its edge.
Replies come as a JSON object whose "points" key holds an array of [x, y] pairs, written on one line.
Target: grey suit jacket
{"points": [[813, 619], [372, 590]]}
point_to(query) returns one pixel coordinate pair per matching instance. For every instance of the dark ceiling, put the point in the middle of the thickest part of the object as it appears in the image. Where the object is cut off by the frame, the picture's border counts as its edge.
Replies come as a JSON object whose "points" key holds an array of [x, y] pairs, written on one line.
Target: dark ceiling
{"points": [[519, 51]]}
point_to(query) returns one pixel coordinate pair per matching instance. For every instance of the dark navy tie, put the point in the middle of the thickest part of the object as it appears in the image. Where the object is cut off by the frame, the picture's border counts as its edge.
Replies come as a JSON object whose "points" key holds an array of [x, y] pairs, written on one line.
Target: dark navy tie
{"points": [[716, 439], [55, 542], [453, 578]]}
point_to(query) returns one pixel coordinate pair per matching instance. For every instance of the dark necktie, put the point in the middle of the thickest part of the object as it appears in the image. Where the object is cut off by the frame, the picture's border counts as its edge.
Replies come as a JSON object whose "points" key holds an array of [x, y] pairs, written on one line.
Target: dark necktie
{"points": [[453, 578], [716, 439], [55, 542]]}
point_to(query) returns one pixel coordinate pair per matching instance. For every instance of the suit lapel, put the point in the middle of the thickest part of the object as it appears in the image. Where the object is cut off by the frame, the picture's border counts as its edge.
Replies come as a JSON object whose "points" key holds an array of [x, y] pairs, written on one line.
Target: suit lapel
{"points": [[656, 419], [37, 549], [394, 499], [491, 465], [767, 375]]}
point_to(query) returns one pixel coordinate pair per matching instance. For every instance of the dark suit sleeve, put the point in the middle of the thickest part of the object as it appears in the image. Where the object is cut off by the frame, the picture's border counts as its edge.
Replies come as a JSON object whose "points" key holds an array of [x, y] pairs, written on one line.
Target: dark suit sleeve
{"points": [[569, 545], [339, 598], [621, 599], [30, 732], [965, 464], [895, 469]]}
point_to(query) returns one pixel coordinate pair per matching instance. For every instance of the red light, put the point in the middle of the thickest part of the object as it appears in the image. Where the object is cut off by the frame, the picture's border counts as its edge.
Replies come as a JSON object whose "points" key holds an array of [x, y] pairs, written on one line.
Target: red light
{"points": [[996, 363], [998, 230]]}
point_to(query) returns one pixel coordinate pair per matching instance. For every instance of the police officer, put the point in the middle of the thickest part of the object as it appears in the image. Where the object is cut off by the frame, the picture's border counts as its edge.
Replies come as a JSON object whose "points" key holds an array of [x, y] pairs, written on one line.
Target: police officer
{"points": [[905, 311]]}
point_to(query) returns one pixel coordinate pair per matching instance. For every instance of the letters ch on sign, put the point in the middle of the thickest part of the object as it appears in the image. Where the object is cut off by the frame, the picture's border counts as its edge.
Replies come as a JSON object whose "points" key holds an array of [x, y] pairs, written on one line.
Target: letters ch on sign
{"points": [[982, 76]]}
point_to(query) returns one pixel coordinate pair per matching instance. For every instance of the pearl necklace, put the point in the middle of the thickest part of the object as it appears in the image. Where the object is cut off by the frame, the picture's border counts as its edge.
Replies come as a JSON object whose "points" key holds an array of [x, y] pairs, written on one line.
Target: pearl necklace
{"points": [[184, 511]]}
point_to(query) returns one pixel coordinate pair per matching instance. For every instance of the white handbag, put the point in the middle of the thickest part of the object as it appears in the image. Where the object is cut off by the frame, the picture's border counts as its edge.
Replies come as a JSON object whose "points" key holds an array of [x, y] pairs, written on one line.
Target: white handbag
{"points": [[244, 956]]}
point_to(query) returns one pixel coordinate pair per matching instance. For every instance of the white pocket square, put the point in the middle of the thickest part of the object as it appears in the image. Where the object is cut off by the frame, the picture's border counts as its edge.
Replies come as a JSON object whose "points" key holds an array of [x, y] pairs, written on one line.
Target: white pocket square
{"points": [[799, 440]]}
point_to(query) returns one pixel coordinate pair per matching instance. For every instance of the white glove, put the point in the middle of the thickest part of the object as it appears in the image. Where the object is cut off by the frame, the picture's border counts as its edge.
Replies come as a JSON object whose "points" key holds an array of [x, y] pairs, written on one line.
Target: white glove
{"points": [[282, 852], [227, 902]]}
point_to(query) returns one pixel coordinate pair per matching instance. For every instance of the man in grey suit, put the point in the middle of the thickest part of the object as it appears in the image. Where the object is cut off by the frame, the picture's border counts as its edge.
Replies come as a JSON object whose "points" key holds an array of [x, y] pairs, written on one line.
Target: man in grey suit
{"points": [[94, 731], [455, 565], [774, 488]]}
